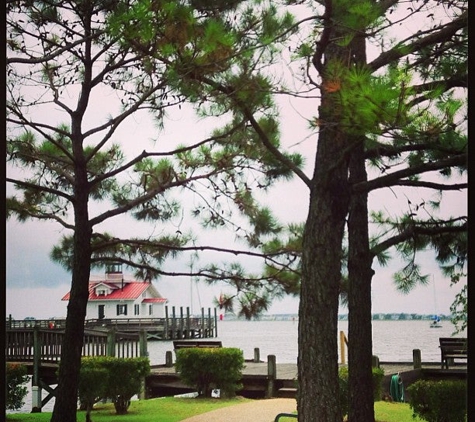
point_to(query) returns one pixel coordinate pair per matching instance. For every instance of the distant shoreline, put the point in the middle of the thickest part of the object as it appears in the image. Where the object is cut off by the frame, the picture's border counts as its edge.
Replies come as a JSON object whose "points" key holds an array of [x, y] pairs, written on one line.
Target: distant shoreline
{"points": [[344, 317]]}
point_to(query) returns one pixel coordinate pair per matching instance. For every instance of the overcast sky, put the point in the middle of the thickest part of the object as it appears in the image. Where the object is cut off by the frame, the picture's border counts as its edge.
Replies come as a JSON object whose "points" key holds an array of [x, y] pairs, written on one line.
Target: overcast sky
{"points": [[35, 285]]}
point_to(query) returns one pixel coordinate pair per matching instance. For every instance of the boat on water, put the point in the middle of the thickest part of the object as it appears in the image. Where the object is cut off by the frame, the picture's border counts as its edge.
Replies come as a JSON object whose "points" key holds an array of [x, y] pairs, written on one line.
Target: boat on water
{"points": [[436, 322]]}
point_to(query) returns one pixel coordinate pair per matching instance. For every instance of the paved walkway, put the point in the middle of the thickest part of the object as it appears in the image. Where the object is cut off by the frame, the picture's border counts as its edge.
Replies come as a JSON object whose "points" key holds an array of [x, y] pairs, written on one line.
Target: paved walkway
{"points": [[264, 410]]}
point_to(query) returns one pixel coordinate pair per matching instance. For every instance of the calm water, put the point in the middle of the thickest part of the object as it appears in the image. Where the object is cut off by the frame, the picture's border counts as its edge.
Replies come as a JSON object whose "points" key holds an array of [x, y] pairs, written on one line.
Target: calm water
{"points": [[393, 341]]}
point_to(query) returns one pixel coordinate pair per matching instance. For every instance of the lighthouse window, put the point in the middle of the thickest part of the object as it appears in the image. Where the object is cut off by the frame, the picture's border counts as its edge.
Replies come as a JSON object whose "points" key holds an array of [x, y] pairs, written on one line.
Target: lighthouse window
{"points": [[121, 309], [136, 309]]}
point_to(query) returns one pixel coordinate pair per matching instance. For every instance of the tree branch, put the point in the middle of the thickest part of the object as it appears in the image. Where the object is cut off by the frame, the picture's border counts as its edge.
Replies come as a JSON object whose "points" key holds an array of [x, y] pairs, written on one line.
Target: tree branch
{"points": [[395, 178], [419, 230], [401, 50]]}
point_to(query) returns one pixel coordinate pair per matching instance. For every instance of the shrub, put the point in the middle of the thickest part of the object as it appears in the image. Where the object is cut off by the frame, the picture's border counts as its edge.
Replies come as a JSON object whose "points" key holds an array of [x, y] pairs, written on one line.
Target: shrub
{"points": [[378, 375], [125, 379], [208, 368], [93, 381], [16, 376], [439, 401], [118, 379]]}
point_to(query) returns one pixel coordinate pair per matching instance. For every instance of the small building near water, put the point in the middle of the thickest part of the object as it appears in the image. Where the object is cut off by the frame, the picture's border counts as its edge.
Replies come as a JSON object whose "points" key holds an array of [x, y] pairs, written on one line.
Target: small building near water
{"points": [[114, 297]]}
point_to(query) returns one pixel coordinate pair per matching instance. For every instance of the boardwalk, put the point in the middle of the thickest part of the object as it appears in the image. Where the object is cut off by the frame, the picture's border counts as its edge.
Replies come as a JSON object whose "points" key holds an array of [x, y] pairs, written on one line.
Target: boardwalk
{"points": [[179, 325], [260, 381], [285, 371]]}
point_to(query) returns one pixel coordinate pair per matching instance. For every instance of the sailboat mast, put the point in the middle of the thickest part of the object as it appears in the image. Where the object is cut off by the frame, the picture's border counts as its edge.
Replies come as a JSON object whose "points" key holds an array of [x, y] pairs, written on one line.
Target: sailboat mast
{"points": [[435, 297]]}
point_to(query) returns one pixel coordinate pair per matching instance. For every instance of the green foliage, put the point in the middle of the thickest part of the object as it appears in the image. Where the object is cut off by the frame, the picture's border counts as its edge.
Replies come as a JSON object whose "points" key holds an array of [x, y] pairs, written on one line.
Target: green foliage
{"points": [[378, 375], [367, 103], [459, 310], [209, 368], [358, 16], [16, 376], [252, 304], [116, 378], [439, 401], [125, 380], [93, 381]]}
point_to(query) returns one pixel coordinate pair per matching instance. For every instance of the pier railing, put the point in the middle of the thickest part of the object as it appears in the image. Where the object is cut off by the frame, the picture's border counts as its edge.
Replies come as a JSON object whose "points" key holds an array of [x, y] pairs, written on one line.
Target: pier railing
{"points": [[175, 325], [45, 345]]}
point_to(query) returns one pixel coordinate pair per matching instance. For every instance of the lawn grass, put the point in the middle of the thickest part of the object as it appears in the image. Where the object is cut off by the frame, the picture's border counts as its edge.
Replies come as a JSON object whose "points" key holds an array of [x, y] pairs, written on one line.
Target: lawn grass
{"points": [[167, 409], [172, 409], [384, 412]]}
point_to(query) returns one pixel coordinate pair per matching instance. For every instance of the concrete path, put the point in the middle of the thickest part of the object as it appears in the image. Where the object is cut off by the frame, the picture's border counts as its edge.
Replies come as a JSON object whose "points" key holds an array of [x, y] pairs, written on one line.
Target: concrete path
{"points": [[264, 410]]}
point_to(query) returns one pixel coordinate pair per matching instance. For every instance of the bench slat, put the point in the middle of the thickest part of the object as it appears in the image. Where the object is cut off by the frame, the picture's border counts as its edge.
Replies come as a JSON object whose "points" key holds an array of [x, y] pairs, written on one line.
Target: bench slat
{"points": [[452, 348], [197, 343]]}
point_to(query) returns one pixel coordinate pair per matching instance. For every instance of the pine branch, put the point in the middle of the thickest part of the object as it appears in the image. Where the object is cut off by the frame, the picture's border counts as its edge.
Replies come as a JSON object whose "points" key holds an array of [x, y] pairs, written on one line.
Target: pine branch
{"points": [[417, 43], [394, 179], [420, 229]]}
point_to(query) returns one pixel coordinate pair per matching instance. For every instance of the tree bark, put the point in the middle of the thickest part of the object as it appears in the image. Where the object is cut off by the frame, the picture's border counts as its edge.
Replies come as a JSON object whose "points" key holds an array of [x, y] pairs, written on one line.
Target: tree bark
{"points": [[360, 273], [318, 399], [360, 377], [68, 377]]}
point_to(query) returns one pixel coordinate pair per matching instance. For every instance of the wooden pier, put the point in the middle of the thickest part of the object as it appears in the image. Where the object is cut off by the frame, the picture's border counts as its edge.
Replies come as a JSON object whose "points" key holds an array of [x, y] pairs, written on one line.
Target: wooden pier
{"points": [[259, 380], [174, 326], [39, 349], [271, 379]]}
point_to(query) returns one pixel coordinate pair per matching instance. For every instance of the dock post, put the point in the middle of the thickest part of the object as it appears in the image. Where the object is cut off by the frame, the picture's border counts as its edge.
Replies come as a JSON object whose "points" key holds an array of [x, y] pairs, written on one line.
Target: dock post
{"points": [[210, 324], [203, 326], [143, 343], [35, 380], [173, 333], [271, 376], [257, 355], [181, 330], [375, 361], [35, 398], [342, 348], [111, 342], [417, 358], [215, 322], [143, 353], [188, 323], [168, 359], [166, 335]]}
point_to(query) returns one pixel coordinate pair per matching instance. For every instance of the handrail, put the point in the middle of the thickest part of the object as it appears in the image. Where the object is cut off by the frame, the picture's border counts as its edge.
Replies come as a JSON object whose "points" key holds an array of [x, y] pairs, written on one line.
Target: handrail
{"points": [[24, 344], [285, 415]]}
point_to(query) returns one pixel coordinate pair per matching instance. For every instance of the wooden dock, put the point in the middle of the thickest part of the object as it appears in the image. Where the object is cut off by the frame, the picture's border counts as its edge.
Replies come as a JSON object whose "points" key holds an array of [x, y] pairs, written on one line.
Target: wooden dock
{"points": [[259, 380], [271, 379], [175, 325], [39, 349]]}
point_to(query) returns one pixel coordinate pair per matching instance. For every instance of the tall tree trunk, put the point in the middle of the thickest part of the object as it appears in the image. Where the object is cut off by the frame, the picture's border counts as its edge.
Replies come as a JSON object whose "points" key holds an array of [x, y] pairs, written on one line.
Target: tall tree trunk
{"points": [[321, 276], [360, 273], [319, 395], [68, 378], [360, 382]]}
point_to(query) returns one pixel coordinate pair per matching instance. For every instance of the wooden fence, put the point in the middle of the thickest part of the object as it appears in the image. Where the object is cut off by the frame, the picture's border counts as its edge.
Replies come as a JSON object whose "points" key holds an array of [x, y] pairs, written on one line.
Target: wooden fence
{"points": [[45, 345]]}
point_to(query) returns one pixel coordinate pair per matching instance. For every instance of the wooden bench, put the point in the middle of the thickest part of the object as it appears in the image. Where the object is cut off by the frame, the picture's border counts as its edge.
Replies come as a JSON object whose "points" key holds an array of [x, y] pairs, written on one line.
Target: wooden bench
{"points": [[181, 344], [452, 348]]}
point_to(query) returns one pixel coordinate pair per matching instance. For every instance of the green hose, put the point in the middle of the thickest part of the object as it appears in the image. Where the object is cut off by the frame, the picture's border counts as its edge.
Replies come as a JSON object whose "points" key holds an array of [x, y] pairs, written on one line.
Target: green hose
{"points": [[396, 388]]}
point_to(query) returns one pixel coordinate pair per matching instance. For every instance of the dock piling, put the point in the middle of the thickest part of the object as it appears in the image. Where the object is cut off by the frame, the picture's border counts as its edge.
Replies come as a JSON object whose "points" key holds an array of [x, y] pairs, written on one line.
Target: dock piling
{"points": [[417, 358], [272, 375]]}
